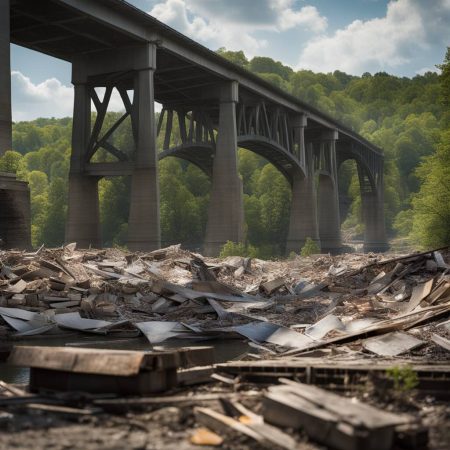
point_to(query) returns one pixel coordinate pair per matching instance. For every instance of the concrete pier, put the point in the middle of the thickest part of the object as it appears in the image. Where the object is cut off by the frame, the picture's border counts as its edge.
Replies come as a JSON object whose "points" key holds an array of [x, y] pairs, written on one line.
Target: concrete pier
{"points": [[374, 229], [83, 216], [303, 218], [328, 197], [225, 215], [15, 210], [143, 225], [5, 79]]}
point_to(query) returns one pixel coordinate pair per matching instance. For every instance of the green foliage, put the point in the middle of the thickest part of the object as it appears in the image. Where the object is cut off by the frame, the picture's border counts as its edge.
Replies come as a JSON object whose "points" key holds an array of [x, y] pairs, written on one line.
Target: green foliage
{"points": [[445, 79], [10, 162], [262, 64], [404, 222], [404, 378], [237, 58], [310, 248], [431, 205], [237, 249]]}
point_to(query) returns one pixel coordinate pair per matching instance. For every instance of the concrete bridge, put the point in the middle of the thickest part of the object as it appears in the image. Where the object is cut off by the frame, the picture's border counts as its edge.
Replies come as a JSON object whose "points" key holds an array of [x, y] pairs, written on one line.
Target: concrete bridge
{"points": [[213, 106]]}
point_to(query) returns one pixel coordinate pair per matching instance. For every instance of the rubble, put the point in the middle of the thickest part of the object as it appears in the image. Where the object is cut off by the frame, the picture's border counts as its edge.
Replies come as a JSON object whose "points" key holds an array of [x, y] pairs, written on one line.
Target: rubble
{"points": [[334, 321]]}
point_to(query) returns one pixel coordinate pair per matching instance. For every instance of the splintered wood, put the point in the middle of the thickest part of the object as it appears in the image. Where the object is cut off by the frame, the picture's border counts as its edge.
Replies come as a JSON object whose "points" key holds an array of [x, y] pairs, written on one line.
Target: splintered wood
{"points": [[349, 425]]}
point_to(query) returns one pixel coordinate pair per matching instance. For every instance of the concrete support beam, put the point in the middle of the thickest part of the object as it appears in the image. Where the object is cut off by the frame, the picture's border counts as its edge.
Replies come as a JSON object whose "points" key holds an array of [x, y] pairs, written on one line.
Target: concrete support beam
{"points": [[374, 227], [5, 79], [225, 215], [143, 224], [83, 216], [299, 123], [328, 196], [303, 220], [15, 226]]}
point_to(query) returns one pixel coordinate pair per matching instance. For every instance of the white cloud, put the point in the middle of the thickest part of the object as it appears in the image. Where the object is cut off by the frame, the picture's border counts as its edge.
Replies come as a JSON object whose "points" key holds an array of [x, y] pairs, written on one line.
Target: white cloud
{"points": [[47, 99], [308, 16], [232, 24], [409, 26]]}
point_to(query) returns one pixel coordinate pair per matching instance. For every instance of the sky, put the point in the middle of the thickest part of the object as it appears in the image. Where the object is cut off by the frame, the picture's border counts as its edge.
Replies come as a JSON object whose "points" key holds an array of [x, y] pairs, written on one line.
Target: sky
{"points": [[401, 37]]}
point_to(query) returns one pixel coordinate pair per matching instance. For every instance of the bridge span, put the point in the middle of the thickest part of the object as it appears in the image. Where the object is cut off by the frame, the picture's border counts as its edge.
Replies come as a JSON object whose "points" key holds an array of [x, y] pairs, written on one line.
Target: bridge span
{"points": [[214, 107]]}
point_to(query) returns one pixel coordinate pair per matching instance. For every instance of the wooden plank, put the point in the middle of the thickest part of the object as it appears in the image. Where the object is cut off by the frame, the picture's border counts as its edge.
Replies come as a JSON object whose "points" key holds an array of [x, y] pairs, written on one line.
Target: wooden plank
{"points": [[64, 410], [91, 361], [12, 390], [196, 356], [139, 402], [441, 291], [354, 412], [195, 375], [273, 285], [256, 422], [419, 293], [441, 341], [222, 424], [348, 425], [143, 383]]}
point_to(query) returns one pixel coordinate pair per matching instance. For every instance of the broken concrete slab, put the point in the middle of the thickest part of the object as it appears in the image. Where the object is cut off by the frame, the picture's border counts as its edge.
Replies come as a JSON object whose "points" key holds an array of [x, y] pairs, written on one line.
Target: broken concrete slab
{"points": [[275, 334], [76, 322], [324, 326], [392, 344]]}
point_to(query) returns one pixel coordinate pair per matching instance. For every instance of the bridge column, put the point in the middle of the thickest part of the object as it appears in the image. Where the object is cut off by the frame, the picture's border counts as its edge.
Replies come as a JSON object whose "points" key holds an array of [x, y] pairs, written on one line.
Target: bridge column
{"points": [[299, 123], [83, 218], [5, 79], [303, 219], [225, 215], [374, 226], [328, 198], [143, 224]]}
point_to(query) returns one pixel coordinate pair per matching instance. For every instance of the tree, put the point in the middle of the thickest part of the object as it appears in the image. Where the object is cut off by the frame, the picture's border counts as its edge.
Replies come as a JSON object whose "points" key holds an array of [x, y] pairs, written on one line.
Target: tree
{"points": [[431, 205], [445, 79], [237, 58], [262, 64], [53, 223], [10, 162]]}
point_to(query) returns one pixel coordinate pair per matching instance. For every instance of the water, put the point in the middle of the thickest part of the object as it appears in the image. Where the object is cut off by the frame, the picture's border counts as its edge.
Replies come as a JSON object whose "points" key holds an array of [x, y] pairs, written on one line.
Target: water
{"points": [[225, 350]]}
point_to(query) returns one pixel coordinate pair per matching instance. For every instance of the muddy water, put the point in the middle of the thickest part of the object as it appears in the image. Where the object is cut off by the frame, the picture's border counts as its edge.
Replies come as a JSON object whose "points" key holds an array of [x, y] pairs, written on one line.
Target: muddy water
{"points": [[225, 350]]}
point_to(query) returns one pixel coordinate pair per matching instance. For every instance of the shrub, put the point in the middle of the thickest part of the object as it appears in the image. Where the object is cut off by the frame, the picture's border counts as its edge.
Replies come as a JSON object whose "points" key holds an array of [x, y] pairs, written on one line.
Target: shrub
{"points": [[404, 378], [237, 249], [310, 247]]}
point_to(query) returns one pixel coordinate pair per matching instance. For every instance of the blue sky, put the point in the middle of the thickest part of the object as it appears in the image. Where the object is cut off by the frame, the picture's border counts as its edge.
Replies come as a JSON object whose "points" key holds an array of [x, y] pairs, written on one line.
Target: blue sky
{"points": [[401, 37]]}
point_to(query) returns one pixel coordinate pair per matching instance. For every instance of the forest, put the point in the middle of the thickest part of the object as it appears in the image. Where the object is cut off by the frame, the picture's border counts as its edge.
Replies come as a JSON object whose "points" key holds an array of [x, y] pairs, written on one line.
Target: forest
{"points": [[409, 118]]}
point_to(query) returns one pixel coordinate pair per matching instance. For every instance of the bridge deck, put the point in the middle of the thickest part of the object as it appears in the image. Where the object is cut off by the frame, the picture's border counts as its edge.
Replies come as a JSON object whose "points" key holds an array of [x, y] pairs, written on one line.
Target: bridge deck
{"points": [[67, 29]]}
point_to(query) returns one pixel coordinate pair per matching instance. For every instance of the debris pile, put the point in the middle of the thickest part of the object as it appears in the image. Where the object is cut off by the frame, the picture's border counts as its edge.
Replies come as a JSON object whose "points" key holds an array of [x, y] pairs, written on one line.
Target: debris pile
{"points": [[337, 322], [289, 306]]}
